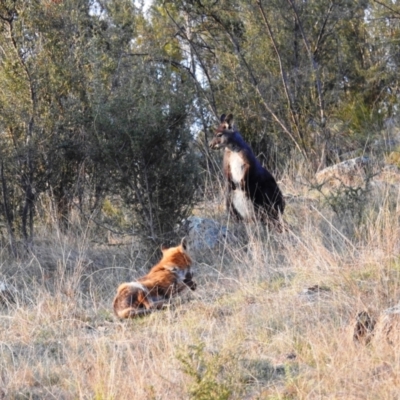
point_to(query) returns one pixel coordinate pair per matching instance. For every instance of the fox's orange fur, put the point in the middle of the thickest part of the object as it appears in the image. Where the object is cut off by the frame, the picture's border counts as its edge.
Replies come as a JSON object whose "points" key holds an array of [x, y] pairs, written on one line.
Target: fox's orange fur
{"points": [[166, 279]]}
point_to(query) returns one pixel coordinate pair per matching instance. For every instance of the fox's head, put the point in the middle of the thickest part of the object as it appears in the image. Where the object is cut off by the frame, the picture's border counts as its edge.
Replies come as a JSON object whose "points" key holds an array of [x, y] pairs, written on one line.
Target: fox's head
{"points": [[176, 258]]}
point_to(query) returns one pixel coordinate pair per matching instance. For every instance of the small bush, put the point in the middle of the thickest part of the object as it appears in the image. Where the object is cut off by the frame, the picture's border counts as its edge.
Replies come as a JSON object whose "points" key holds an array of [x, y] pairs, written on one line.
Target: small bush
{"points": [[208, 372]]}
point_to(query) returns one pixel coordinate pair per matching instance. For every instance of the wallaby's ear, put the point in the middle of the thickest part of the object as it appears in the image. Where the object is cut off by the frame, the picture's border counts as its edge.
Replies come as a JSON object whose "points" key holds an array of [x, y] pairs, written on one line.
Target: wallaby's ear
{"points": [[229, 120], [222, 119], [184, 243]]}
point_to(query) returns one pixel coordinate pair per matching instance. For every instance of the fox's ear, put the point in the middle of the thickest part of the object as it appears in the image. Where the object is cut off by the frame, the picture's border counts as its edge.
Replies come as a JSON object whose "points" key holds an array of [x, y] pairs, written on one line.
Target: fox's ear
{"points": [[222, 119], [184, 243], [163, 247], [229, 120]]}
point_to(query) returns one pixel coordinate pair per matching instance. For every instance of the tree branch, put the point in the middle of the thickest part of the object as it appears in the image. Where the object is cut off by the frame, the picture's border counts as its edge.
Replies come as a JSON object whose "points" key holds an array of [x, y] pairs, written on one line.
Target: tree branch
{"points": [[388, 7], [288, 95], [322, 30], [257, 89], [314, 64], [212, 103]]}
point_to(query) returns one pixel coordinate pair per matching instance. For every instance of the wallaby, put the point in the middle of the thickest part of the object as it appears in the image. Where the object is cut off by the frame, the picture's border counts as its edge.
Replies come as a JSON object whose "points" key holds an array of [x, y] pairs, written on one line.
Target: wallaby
{"points": [[251, 191]]}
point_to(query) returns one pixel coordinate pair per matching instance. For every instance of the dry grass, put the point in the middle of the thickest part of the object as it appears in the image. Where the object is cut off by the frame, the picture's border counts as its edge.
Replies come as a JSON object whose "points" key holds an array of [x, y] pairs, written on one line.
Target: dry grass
{"points": [[273, 316]]}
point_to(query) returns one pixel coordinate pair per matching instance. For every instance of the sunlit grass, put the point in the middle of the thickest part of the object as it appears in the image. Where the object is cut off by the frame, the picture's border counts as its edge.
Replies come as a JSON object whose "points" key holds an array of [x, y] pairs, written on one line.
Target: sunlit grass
{"points": [[272, 317]]}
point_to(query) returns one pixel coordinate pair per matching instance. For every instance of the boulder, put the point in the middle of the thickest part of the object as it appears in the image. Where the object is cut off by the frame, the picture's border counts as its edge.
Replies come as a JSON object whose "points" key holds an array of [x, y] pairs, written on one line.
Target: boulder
{"points": [[348, 172], [389, 174], [204, 233]]}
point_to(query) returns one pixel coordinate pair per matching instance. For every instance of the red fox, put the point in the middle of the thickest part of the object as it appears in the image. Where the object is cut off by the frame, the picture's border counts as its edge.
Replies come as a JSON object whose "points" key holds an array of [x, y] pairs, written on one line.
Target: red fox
{"points": [[166, 279]]}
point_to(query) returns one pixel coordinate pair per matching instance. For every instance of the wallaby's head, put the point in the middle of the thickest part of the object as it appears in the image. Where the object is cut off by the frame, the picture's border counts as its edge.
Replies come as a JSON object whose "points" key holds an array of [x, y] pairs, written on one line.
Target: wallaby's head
{"points": [[226, 123], [224, 132]]}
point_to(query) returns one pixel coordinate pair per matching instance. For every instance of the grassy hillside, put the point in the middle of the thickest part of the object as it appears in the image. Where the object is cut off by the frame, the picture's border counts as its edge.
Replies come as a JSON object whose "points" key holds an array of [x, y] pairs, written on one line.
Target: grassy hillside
{"points": [[273, 316]]}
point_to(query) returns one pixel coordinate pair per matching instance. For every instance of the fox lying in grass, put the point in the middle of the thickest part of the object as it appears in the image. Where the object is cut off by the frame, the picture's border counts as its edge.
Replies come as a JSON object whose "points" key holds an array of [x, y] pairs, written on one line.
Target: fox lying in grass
{"points": [[168, 278]]}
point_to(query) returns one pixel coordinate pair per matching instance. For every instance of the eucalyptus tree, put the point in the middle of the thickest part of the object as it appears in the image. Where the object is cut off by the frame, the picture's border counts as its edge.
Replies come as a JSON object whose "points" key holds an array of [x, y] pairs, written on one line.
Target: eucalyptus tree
{"points": [[382, 78], [44, 71], [143, 124], [283, 67], [68, 71]]}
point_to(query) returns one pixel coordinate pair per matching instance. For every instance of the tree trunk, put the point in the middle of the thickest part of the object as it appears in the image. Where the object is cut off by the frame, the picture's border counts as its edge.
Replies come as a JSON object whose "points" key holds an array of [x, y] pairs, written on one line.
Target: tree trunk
{"points": [[7, 212]]}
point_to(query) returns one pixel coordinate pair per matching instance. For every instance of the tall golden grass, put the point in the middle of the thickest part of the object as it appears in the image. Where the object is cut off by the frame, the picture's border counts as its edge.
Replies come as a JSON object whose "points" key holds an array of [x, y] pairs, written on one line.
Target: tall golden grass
{"points": [[273, 316]]}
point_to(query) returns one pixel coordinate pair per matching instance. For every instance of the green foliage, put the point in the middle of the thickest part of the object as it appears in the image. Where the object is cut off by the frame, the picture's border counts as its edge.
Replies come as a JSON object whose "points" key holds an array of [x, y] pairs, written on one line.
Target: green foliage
{"points": [[144, 138], [98, 99], [349, 201], [361, 120], [113, 214], [284, 67], [207, 371], [66, 74], [394, 157]]}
